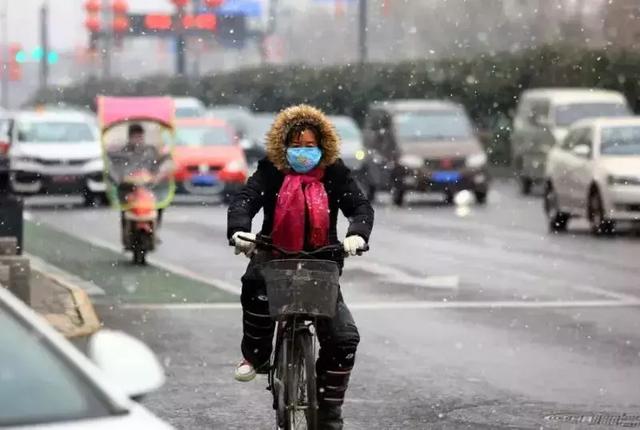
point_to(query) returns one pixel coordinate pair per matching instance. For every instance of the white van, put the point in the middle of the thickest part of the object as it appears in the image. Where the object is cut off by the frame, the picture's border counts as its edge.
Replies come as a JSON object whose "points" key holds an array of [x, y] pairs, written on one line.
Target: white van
{"points": [[543, 118]]}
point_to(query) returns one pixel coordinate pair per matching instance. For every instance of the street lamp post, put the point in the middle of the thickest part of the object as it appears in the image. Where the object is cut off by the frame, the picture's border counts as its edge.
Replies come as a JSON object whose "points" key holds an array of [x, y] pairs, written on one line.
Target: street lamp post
{"points": [[362, 31], [179, 32], [4, 57], [107, 39], [44, 41]]}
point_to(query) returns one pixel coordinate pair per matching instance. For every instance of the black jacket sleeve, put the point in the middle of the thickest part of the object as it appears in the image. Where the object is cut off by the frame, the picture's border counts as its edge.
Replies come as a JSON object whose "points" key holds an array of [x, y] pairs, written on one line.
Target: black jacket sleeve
{"points": [[247, 203], [353, 203]]}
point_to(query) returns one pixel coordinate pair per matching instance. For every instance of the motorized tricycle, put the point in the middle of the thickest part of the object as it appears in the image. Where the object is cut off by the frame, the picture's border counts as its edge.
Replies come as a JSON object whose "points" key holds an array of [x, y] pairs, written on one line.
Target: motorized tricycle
{"points": [[137, 139]]}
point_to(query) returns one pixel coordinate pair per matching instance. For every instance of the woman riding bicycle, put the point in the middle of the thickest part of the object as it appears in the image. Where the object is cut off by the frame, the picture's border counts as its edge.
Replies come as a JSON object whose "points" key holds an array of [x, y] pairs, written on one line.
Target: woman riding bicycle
{"points": [[300, 185]]}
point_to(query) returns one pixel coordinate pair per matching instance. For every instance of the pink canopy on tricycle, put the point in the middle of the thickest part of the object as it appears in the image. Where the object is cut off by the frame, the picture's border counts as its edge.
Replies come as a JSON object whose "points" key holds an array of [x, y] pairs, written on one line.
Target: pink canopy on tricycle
{"points": [[115, 110]]}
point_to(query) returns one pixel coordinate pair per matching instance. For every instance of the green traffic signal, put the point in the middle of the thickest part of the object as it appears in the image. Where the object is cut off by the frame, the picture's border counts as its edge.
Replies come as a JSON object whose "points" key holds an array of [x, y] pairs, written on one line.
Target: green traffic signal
{"points": [[53, 57], [36, 55], [21, 57]]}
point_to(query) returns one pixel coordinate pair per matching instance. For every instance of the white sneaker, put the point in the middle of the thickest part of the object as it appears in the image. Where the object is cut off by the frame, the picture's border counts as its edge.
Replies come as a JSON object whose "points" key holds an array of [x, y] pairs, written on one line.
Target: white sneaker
{"points": [[245, 372]]}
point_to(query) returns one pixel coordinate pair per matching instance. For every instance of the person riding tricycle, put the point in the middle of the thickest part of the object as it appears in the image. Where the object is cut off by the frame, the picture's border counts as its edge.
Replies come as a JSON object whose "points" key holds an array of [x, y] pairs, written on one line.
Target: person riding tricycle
{"points": [[137, 138]]}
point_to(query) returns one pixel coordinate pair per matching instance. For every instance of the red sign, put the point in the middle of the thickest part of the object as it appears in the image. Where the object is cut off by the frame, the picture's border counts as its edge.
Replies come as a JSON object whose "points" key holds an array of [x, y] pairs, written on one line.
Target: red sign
{"points": [[158, 22], [190, 22]]}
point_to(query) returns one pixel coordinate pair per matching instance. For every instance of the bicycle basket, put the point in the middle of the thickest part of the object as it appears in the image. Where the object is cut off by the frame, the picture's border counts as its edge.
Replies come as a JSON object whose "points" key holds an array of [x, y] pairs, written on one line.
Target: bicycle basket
{"points": [[301, 287]]}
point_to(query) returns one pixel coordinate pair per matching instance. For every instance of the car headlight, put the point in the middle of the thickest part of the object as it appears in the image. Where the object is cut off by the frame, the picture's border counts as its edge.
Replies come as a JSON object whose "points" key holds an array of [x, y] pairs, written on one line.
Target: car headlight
{"points": [[23, 159], [411, 161], [235, 166], [623, 180], [476, 160]]}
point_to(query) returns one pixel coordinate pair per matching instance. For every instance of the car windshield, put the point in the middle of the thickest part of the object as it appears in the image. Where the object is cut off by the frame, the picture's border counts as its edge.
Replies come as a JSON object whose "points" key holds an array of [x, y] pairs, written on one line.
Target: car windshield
{"points": [[350, 135], [30, 369], [189, 112], [567, 114], [431, 125], [203, 136], [55, 132], [259, 127], [620, 141]]}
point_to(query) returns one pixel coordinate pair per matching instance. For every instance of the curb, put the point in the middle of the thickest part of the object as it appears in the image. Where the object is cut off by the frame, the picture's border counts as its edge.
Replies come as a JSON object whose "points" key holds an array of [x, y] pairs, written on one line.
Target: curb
{"points": [[83, 310]]}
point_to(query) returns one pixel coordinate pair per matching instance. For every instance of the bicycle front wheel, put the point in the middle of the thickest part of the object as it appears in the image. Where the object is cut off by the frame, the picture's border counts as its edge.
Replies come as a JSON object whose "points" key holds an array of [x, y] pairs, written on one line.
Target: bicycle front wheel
{"points": [[302, 399]]}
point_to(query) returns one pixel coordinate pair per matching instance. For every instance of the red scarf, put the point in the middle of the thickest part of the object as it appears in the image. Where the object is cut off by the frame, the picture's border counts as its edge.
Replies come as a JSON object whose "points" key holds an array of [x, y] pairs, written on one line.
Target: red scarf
{"points": [[302, 197]]}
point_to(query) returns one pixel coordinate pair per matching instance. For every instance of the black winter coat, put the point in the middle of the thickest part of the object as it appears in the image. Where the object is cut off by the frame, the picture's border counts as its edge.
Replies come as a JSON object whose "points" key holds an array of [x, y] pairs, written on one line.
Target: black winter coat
{"points": [[261, 192]]}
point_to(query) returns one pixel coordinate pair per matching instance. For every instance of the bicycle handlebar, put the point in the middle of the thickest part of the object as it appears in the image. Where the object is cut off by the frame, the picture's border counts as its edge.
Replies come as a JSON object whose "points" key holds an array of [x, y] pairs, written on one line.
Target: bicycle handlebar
{"points": [[261, 243]]}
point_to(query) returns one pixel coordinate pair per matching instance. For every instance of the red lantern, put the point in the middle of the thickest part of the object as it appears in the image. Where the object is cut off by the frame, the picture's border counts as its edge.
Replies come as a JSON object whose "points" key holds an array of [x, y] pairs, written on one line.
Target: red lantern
{"points": [[120, 7], [93, 24], [180, 3], [120, 24], [213, 3], [92, 6]]}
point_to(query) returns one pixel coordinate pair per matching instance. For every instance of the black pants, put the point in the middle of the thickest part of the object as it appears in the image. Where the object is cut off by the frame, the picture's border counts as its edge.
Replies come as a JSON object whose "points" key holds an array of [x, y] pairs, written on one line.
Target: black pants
{"points": [[338, 337]]}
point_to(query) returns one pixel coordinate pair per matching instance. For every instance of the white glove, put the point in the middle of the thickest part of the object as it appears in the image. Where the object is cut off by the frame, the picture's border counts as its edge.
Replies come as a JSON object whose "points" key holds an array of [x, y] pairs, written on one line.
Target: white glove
{"points": [[353, 244], [244, 246]]}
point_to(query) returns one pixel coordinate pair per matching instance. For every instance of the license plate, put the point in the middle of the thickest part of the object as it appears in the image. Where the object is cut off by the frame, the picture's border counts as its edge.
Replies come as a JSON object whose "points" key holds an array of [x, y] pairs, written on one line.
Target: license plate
{"points": [[204, 180], [65, 179], [446, 176]]}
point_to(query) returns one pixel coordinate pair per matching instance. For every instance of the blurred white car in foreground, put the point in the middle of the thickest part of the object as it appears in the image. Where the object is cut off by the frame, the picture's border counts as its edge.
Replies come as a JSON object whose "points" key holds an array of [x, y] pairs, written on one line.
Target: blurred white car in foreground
{"points": [[595, 173], [46, 383]]}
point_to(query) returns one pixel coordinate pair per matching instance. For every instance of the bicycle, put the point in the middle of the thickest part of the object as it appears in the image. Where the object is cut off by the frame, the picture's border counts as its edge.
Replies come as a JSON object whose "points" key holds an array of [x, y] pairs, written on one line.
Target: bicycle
{"points": [[300, 290]]}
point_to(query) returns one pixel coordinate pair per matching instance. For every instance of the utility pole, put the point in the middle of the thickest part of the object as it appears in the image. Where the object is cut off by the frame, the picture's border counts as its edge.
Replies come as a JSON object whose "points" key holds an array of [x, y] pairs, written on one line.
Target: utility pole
{"points": [[362, 32], [4, 58], [44, 41], [180, 42], [107, 39]]}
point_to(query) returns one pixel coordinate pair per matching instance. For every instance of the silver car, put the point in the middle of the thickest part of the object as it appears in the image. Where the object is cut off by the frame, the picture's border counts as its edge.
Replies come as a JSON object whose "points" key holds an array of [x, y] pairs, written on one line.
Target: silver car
{"points": [[46, 383], [56, 153]]}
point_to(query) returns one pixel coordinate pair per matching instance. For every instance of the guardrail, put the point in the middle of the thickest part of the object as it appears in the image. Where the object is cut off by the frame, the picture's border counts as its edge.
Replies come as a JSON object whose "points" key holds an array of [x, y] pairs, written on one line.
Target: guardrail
{"points": [[15, 270]]}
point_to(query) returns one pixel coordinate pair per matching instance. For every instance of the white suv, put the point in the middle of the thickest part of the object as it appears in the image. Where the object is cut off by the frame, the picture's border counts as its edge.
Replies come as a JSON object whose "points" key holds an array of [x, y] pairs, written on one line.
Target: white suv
{"points": [[595, 173], [56, 153]]}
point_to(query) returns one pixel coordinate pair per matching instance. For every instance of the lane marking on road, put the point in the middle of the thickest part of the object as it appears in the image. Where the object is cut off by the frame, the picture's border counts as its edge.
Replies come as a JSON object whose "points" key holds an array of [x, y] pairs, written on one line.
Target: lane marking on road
{"points": [[398, 276], [161, 264], [412, 305]]}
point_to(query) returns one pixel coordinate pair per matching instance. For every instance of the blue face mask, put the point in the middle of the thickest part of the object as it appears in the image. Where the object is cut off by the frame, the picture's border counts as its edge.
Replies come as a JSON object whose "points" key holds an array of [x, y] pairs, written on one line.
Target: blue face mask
{"points": [[303, 160]]}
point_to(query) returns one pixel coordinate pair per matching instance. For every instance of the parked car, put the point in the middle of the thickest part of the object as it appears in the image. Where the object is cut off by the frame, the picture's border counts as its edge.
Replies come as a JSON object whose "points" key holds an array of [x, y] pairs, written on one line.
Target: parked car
{"points": [[595, 173], [56, 153], [542, 119], [189, 107], [46, 382], [208, 157], [425, 146]]}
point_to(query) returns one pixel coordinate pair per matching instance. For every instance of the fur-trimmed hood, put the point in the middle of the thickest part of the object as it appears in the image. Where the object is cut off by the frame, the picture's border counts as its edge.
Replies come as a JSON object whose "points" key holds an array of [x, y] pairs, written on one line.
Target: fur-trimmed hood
{"points": [[329, 140]]}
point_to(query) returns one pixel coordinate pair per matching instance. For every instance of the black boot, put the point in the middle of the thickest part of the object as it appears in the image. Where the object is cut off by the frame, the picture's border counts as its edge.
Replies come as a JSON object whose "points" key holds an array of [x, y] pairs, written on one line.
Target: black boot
{"points": [[329, 417]]}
